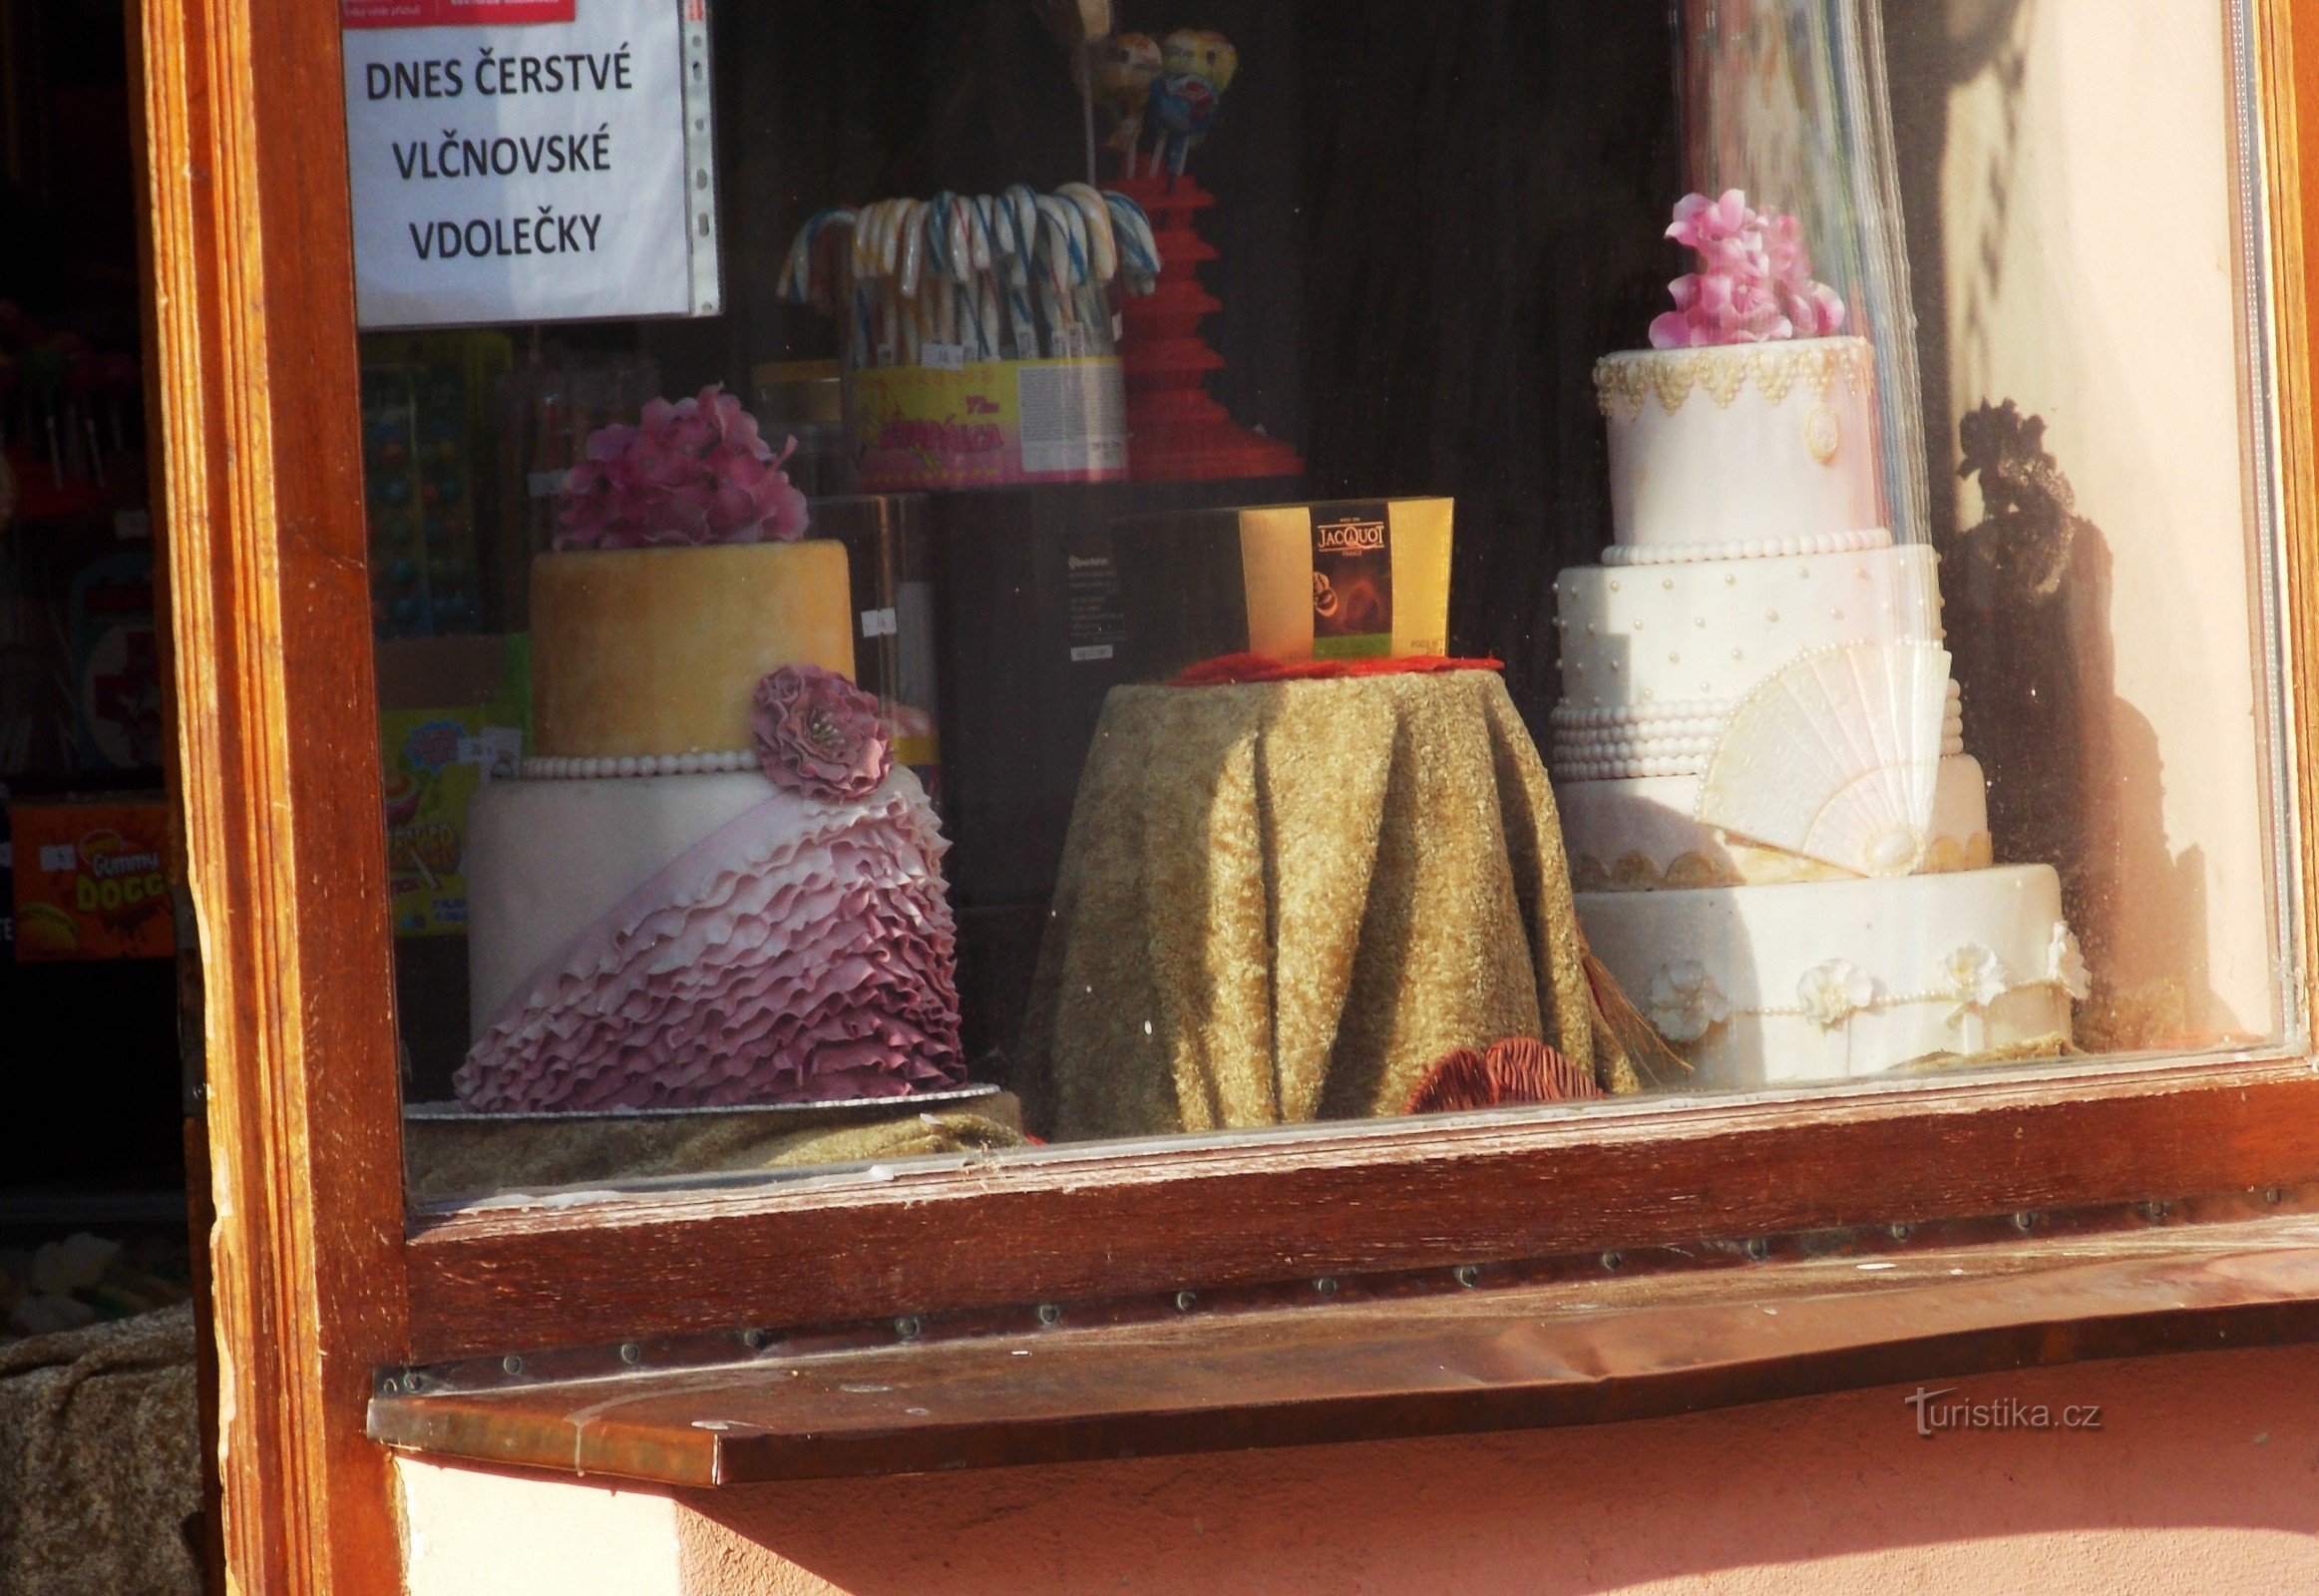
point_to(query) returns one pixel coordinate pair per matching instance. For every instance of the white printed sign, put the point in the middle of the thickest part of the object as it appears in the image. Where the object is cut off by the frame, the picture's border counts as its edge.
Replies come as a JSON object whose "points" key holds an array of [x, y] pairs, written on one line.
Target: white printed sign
{"points": [[530, 160]]}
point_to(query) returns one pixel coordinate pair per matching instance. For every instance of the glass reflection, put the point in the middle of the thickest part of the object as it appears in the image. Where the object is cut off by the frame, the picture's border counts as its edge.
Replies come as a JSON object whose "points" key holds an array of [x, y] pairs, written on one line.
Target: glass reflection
{"points": [[1306, 569]]}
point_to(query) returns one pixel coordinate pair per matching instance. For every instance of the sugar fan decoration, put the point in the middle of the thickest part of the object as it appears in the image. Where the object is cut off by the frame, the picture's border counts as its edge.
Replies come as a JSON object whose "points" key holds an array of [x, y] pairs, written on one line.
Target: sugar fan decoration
{"points": [[1836, 757]]}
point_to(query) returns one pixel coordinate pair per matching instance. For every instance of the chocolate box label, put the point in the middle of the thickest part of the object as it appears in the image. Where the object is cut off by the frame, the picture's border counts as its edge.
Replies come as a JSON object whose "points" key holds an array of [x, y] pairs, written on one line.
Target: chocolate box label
{"points": [[1352, 585]]}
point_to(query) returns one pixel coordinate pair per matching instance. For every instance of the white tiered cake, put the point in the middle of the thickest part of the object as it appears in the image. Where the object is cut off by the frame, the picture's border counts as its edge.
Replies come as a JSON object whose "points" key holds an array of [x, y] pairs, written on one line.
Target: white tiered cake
{"points": [[1781, 847]]}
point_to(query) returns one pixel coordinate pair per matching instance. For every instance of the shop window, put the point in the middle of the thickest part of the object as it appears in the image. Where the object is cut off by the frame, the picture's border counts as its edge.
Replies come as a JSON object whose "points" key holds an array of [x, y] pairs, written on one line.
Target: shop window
{"points": [[1286, 640], [1165, 585]]}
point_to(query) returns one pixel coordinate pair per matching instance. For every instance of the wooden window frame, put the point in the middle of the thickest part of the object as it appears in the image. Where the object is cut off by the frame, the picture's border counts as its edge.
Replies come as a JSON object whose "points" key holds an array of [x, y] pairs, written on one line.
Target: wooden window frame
{"points": [[321, 1278]]}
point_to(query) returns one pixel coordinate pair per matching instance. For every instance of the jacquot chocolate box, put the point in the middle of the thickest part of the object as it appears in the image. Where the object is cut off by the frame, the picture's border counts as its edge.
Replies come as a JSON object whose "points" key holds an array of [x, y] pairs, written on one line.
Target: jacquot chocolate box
{"points": [[1344, 580]]}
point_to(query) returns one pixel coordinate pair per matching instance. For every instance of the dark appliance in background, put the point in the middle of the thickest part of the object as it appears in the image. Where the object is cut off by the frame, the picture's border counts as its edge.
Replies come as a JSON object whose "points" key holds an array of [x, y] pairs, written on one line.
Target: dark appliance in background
{"points": [[1031, 629]]}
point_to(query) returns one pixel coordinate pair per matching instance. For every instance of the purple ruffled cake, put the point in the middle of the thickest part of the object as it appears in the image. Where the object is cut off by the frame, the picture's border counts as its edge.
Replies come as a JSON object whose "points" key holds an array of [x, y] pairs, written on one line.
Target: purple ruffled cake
{"points": [[802, 950]]}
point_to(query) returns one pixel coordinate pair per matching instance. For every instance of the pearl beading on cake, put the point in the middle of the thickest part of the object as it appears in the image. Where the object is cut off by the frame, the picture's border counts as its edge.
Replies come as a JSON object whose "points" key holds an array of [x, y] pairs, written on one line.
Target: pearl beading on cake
{"points": [[605, 767], [1678, 739], [1698, 716], [1684, 1001], [1579, 717], [1686, 553], [1679, 632], [1633, 761]]}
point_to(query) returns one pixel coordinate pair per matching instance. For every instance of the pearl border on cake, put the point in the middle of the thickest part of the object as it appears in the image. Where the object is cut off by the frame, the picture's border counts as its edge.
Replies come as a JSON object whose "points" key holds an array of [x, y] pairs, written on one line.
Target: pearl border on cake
{"points": [[1594, 744], [1644, 757], [599, 767], [1683, 992], [1691, 554]]}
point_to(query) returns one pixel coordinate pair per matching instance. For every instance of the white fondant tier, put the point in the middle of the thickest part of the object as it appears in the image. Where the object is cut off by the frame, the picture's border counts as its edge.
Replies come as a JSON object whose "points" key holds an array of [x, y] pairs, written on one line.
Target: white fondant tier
{"points": [[1708, 632], [1742, 442], [1828, 980], [1639, 835], [546, 859]]}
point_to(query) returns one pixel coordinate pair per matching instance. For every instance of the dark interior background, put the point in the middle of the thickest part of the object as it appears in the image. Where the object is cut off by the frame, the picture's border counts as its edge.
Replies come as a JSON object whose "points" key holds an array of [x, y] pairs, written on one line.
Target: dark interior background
{"points": [[1430, 222], [92, 1136]]}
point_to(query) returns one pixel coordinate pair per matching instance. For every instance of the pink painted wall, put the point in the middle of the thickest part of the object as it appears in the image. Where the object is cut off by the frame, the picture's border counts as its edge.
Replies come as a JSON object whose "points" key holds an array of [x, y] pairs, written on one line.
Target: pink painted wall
{"points": [[2204, 1478]]}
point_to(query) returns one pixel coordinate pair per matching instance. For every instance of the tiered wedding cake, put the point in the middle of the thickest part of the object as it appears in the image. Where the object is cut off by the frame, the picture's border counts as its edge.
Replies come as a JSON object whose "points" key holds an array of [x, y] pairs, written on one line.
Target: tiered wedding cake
{"points": [[1781, 847], [711, 886]]}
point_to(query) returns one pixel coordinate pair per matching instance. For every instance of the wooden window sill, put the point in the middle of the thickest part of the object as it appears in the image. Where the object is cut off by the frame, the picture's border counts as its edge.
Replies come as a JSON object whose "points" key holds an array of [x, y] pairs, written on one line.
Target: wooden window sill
{"points": [[1576, 1342]]}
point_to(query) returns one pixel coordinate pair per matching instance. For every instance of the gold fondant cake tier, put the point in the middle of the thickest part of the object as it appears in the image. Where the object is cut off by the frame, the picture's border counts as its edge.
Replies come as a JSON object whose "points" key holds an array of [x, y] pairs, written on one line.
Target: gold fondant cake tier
{"points": [[654, 651]]}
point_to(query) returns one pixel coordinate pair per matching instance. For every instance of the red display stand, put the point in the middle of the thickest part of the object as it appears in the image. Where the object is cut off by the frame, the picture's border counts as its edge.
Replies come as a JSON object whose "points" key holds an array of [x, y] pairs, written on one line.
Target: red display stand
{"points": [[1177, 431]]}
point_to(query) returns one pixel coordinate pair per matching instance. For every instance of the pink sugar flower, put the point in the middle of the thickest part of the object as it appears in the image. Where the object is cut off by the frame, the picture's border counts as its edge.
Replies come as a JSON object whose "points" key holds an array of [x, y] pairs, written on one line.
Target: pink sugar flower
{"points": [[1753, 281], [691, 472], [818, 734]]}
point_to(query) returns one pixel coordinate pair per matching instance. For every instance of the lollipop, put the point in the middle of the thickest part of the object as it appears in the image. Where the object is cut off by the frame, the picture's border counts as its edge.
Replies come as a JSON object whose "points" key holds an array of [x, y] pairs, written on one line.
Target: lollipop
{"points": [[1196, 67], [1201, 53], [1126, 65]]}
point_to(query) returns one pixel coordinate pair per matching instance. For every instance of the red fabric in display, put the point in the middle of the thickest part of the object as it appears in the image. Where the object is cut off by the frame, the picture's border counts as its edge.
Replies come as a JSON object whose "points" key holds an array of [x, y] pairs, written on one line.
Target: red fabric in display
{"points": [[1519, 1069], [1227, 670]]}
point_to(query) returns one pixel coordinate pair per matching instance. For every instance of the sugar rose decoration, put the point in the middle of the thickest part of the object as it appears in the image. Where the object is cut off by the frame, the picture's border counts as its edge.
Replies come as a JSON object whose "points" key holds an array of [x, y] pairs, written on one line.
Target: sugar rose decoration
{"points": [[2065, 963], [1831, 993], [1977, 978], [820, 735], [1684, 1004], [693, 472], [1753, 281]]}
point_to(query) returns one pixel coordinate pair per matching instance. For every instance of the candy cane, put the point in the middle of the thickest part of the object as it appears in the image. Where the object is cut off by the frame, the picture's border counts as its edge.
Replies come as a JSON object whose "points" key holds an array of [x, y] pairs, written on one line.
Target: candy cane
{"points": [[1095, 215], [979, 213], [797, 283], [913, 251], [1016, 247], [864, 335], [1054, 316], [1139, 250], [865, 252]]}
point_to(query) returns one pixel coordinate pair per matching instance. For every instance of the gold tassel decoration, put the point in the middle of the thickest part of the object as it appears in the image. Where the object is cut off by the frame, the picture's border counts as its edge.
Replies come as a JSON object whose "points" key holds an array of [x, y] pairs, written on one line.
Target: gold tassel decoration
{"points": [[1631, 1054]]}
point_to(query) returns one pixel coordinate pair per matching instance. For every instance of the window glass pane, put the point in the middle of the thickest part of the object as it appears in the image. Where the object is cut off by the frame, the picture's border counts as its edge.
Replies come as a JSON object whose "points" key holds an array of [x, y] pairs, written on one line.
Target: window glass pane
{"points": [[945, 585]]}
